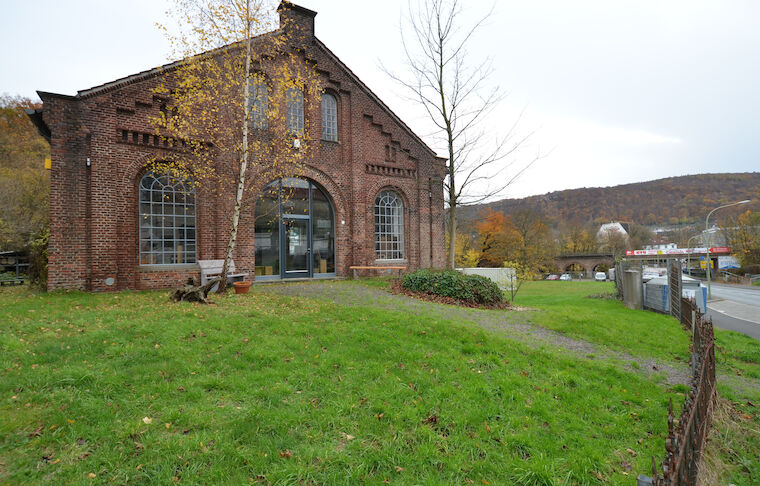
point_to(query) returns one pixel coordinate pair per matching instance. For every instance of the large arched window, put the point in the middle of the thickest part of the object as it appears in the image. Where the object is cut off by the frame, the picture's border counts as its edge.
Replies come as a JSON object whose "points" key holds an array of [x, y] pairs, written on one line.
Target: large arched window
{"points": [[294, 113], [259, 103], [167, 220], [329, 118], [389, 226], [294, 230]]}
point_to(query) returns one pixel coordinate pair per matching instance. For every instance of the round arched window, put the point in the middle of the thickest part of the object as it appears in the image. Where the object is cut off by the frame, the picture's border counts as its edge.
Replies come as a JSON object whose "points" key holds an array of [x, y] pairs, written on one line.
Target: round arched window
{"points": [[329, 118], [389, 226], [167, 220]]}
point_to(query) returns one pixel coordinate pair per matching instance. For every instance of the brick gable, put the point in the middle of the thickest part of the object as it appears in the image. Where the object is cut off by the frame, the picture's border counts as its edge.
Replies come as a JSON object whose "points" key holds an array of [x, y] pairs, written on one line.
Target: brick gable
{"points": [[94, 211]]}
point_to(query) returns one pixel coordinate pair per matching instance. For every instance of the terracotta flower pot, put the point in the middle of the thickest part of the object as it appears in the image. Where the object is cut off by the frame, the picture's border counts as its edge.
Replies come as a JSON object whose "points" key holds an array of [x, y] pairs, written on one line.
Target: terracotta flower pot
{"points": [[241, 287]]}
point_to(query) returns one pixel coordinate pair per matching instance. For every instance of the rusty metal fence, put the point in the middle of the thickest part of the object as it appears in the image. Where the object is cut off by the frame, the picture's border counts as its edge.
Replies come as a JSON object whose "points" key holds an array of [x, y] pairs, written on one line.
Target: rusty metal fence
{"points": [[686, 440]]}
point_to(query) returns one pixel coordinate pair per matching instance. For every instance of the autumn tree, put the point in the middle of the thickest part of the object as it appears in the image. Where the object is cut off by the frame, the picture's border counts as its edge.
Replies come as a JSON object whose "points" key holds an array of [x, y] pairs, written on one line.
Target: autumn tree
{"points": [[535, 247], [235, 101], [467, 254], [24, 182], [452, 87], [614, 242], [640, 236], [493, 238], [576, 237], [523, 237], [742, 234]]}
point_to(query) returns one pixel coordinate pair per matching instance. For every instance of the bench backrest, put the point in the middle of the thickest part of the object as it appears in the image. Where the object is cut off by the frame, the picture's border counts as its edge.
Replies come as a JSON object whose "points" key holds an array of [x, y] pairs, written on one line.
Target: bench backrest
{"points": [[214, 267]]}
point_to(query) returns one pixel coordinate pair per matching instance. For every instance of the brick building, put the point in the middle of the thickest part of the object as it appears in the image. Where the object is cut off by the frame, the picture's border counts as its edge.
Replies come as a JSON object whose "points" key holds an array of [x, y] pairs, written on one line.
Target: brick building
{"points": [[371, 192]]}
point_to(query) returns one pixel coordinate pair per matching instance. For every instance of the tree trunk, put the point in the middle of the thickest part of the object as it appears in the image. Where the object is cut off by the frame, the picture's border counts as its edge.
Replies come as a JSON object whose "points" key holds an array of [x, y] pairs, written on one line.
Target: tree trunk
{"points": [[193, 293], [243, 157], [452, 238]]}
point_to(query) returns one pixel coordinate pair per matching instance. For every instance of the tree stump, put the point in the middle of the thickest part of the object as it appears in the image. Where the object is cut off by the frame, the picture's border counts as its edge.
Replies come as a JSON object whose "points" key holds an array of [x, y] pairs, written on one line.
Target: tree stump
{"points": [[194, 293]]}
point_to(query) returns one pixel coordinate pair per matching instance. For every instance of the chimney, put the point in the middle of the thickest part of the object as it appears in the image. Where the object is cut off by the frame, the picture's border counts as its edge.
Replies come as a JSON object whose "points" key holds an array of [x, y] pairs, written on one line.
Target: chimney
{"points": [[293, 16]]}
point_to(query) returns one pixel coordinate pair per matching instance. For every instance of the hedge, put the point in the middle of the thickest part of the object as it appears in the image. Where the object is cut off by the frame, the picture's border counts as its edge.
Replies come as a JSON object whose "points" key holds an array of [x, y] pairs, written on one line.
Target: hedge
{"points": [[468, 288]]}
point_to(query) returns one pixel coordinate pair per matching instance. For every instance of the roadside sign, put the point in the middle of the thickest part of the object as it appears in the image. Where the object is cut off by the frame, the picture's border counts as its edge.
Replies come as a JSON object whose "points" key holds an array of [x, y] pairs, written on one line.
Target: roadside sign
{"points": [[679, 251]]}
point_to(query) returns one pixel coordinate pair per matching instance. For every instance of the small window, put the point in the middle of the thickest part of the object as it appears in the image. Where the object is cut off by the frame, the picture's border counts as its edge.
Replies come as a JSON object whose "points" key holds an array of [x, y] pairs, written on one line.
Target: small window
{"points": [[167, 220], [389, 226], [295, 111], [329, 118], [259, 104]]}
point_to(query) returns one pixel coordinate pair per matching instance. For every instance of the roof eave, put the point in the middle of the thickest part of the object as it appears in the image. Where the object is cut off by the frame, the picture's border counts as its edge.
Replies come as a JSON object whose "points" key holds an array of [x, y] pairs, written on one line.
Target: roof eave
{"points": [[35, 115]]}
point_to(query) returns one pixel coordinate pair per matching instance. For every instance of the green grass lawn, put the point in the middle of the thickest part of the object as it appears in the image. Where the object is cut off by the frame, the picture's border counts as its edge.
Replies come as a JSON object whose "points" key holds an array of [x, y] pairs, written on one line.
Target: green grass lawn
{"points": [[133, 389], [564, 308]]}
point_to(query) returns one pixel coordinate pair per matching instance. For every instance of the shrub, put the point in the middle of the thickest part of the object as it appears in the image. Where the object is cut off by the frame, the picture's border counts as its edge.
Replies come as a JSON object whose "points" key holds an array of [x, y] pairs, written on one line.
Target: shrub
{"points": [[38, 259], [468, 288]]}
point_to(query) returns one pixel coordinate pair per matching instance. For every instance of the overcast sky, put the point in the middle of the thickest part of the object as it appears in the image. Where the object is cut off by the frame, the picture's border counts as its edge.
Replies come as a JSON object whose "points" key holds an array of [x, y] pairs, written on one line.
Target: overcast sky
{"points": [[619, 91]]}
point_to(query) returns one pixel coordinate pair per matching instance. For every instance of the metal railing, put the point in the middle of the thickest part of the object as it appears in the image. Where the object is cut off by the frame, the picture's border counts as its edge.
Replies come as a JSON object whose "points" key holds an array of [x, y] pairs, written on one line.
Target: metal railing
{"points": [[685, 443]]}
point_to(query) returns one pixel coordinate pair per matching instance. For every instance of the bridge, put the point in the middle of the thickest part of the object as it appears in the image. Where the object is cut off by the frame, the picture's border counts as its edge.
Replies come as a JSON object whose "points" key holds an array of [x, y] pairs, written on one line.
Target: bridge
{"points": [[590, 262]]}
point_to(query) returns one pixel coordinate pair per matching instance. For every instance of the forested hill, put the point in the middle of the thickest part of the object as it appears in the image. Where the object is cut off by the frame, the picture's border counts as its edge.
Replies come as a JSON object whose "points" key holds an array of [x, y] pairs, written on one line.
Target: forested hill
{"points": [[673, 200]]}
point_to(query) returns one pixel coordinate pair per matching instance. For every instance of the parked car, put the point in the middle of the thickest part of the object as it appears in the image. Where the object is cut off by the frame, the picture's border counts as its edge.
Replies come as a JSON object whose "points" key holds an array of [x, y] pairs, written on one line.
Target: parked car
{"points": [[552, 277], [565, 276], [600, 276]]}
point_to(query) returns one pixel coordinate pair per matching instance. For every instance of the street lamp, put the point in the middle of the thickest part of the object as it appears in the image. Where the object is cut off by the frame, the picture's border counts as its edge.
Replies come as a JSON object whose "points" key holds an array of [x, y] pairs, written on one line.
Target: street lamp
{"points": [[707, 242], [688, 257]]}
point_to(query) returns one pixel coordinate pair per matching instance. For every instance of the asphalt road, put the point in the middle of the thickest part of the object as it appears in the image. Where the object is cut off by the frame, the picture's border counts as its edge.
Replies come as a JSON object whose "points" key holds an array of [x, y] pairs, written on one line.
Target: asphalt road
{"points": [[736, 307], [745, 294]]}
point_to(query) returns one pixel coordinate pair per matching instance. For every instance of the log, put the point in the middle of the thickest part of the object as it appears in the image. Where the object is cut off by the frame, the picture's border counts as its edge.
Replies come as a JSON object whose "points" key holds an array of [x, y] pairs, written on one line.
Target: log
{"points": [[194, 293]]}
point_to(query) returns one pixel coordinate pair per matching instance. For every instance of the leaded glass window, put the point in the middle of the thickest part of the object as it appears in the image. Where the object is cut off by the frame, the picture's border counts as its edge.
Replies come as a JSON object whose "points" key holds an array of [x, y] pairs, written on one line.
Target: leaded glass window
{"points": [[389, 226], [259, 103], [295, 111], [329, 118], [167, 220]]}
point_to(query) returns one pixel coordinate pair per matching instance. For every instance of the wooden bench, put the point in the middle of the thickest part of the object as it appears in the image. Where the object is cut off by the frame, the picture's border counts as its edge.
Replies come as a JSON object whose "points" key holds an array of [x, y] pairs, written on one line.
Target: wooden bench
{"points": [[360, 267], [213, 268], [12, 281]]}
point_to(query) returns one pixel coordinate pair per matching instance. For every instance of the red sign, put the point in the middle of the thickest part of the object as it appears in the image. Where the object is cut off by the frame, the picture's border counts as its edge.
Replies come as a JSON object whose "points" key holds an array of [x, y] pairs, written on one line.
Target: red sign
{"points": [[720, 249]]}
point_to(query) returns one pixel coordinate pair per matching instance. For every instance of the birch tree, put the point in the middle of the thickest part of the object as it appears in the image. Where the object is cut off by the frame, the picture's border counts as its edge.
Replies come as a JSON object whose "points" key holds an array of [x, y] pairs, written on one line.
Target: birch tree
{"points": [[453, 90], [227, 101]]}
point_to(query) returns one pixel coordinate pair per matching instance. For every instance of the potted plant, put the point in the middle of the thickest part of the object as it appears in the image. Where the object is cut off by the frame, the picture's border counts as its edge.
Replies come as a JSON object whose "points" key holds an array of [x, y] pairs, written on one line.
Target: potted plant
{"points": [[242, 287]]}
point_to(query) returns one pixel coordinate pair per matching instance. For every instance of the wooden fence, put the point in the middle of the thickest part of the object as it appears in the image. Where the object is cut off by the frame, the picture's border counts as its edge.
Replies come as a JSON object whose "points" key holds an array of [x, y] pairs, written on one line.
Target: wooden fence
{"points": [[686, 441]]}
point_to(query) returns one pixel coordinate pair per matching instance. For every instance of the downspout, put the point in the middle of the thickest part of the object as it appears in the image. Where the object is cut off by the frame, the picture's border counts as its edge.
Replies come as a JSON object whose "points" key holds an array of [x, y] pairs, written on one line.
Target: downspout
{"points": [[88, 212], [430, 217]]}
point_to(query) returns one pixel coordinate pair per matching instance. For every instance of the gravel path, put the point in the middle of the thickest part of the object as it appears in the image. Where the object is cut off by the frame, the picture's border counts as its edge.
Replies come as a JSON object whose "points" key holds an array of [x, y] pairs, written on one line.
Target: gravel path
{"points": [[511, 324]]}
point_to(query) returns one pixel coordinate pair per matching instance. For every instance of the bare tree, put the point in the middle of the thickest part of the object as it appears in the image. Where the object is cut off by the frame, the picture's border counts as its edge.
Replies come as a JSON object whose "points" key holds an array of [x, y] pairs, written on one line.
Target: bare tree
{"points": [[456, 96]]}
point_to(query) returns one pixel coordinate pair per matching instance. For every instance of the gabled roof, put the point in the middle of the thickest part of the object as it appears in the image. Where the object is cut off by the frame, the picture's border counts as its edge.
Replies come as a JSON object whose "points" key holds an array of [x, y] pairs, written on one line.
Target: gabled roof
{"points": [[149, 73], [371, 94]]}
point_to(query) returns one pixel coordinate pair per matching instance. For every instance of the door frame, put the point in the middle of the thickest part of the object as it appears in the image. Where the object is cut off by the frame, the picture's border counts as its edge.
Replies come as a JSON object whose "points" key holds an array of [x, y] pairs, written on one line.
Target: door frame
{"points": [[284, 273]]}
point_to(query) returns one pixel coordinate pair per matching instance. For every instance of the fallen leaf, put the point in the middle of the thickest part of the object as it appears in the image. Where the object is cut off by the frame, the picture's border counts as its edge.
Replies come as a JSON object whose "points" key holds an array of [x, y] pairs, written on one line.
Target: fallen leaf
{"points": [[36, 432], [167, 425], [632, 452], [286, 454], [92, 475], [399, 468], [147, 420]]}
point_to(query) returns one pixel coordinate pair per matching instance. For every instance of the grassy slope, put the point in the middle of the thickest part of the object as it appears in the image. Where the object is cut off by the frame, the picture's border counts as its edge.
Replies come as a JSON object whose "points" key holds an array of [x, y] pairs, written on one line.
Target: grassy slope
{"points": [[734, 450], [231, 388], [608, 322]]}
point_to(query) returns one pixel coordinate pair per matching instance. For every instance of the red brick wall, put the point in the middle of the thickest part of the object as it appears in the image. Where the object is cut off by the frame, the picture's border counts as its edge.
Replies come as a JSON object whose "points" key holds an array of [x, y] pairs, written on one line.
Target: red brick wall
{"points": [[94, 210]]}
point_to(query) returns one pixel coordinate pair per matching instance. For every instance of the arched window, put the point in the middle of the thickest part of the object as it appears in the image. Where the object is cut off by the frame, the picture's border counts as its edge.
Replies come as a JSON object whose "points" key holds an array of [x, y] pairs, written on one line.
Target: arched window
{"points": [[389, 226], [167, 220], [259, 103], [329, 118], [295, 111]]}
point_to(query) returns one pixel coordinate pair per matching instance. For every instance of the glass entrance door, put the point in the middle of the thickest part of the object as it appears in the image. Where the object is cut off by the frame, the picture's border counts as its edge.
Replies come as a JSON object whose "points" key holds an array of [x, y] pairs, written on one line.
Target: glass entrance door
{"points": [[296, 247]]}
